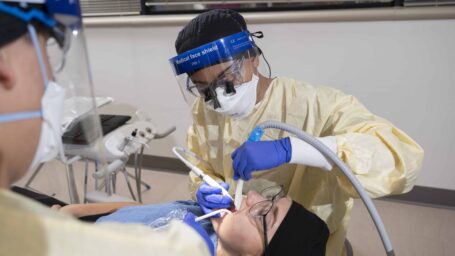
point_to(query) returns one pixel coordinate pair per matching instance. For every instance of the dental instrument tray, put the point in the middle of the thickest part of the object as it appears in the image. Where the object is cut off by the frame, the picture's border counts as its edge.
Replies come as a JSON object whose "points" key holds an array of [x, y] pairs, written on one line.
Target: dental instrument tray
{"points": [[75, 134]]}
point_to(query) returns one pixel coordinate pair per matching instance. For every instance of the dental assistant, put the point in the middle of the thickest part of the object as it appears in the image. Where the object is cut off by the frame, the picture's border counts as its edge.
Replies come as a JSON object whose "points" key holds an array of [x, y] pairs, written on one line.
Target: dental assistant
{"points": [[217, 70], [31, 104]]}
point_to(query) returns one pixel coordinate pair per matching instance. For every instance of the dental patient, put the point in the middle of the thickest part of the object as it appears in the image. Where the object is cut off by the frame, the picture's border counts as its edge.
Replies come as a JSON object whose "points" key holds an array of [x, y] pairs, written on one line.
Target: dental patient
{"points": [[267, 223]]}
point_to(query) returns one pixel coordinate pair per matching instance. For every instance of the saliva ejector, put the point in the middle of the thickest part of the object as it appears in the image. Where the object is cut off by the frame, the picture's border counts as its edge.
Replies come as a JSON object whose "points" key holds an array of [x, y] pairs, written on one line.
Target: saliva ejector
{"points": [[259, 131]]}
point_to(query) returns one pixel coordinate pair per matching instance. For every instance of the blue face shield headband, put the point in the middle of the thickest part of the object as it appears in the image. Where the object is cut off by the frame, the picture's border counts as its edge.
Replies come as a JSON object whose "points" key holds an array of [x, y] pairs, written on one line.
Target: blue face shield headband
{"points": [[215, 52], [67, 12]]}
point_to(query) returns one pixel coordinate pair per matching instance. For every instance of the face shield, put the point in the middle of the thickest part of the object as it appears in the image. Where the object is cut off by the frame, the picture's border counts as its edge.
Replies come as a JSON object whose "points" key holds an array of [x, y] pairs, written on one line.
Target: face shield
{"points": [[216, 69], [68, 99]]}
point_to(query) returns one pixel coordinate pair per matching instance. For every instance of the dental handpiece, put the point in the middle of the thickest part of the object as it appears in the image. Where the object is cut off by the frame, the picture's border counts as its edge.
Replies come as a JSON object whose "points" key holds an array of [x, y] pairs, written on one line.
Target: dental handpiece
{"points": [[206, 178]]}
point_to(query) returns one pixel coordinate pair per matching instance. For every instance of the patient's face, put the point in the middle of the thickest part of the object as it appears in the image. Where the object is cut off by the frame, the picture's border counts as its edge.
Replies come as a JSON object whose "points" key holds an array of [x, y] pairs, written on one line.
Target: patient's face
{"points": [[243, 233]]}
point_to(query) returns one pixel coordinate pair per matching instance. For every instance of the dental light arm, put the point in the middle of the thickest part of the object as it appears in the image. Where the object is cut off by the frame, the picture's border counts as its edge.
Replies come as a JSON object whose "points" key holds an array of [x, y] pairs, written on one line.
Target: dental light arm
{"points": [[259, 131]]}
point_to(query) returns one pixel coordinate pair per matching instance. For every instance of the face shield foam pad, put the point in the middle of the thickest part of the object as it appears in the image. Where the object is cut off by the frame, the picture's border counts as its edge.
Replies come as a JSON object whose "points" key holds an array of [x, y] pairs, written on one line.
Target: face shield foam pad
{"points": [[299, 232]]}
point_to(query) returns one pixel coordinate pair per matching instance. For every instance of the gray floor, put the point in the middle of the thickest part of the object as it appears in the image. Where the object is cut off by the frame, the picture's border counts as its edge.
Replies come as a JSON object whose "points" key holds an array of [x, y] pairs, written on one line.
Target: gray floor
{"points": [[414, 230]]}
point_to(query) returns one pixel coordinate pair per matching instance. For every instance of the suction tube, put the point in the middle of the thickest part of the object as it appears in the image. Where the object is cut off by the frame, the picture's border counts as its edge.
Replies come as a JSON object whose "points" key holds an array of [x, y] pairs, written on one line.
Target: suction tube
{"points": [[259, 131]]}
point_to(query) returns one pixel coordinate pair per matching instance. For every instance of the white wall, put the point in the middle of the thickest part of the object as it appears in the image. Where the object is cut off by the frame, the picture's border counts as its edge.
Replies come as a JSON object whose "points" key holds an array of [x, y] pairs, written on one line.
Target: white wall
{"points": [[401, 70]]}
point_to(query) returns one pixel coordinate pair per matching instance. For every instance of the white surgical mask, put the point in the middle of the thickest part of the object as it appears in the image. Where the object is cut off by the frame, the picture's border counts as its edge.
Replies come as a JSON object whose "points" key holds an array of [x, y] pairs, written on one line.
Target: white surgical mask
{"points": [[50, 142], [242, 103]]}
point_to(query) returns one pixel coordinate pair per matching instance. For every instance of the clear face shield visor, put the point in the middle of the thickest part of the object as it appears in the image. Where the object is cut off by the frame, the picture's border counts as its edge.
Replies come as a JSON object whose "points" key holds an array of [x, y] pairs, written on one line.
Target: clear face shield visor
{"points": [[217, 67], [67, 56], [70, 67]]}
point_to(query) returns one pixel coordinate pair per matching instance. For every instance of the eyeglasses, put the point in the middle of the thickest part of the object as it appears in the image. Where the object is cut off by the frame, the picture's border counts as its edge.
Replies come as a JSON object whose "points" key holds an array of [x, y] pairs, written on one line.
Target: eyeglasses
{"points": [[261, 209], [226, 79]]}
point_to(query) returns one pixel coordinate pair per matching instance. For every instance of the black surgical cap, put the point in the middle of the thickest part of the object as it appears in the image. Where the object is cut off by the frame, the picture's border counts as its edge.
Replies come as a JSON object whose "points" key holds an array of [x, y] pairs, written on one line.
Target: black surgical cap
{"points": [[12, 28], [208, 27], [301, 233]]}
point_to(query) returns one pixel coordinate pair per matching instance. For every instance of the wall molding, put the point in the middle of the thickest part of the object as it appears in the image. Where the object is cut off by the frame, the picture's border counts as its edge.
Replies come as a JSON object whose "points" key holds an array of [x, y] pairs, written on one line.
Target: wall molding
{"points": [[426, 196], [351, 15]]}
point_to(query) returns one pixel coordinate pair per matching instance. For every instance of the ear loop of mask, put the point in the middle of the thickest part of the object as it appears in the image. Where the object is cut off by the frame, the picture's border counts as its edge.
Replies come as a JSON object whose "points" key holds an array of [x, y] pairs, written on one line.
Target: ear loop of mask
{"points": [[39, 54], [35, 41], [260, 35], [266, 61]]}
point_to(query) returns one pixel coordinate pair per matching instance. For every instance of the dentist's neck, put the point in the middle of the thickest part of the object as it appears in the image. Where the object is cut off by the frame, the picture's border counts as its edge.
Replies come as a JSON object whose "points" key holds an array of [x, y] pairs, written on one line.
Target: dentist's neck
{"points": [[263, 85]]}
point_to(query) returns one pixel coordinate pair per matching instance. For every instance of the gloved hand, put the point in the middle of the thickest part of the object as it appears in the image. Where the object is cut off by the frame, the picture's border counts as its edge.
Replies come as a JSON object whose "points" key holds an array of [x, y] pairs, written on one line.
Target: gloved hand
{"points": [[210, 198], [260, 155], [190, 221]]}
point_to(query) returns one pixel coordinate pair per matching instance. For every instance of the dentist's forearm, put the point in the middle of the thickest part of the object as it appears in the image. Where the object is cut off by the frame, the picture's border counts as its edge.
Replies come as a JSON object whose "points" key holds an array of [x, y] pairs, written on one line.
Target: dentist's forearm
{"points": [[305, 154]]}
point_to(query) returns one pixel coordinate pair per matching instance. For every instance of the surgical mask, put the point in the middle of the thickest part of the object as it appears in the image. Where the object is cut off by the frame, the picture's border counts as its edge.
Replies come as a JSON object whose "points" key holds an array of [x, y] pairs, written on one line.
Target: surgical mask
{"points": [[242, 103], [50, 143]]}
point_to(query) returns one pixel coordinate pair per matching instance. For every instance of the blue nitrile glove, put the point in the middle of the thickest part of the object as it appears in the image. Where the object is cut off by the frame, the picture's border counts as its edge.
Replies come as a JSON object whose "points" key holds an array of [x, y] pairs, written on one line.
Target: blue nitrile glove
{"points": [[210, 198], [190, 221], [260, 155]]}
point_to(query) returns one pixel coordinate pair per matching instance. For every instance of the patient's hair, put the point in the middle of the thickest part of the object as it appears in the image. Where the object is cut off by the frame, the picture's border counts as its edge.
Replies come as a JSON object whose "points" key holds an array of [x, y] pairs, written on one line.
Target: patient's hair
{"points": [[301, 232]]}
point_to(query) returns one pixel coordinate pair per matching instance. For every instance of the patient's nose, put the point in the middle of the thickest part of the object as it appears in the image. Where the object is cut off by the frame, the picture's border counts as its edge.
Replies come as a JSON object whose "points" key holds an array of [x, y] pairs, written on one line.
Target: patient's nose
{"points": [[253, 197]]}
